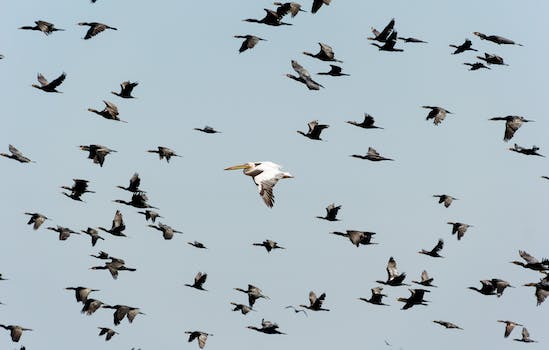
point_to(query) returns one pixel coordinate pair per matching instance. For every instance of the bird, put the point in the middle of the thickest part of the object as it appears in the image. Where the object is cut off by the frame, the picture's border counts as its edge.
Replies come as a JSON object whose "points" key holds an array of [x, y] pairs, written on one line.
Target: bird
{"points": [[265, 175], [476, 65], [114, 266], [303, 77], [448, 325], [384, 34], [91, 306], [64, 232], [331, 213], [2, 278], [315, 303], [425, 280], [117, 226], [150, 214], [495, 286], [435, 251], [197, 244], [270, 19], [437, 114], [367, 123], [267, 327], [393, 277], [135, 181], [15, 331], [200, 336], [445, 198], [79, 187], [164, 152], [94, 235], [249, 42], [460, 228], [296, 310], [109, 112], [371, 155], [109, 333], [509, 326], [512, 124], [97, 153], [95, 28], [292, 8], [102, 256], [208, 130], [36, 220], [531, 262], [138, 200], [496, 39], [492, 59], [466, 46], [269, 245], [357, 237], [122, 311], [335, 71], [315, 129], [525, 337], [16, 155], [244, 309], [253, 292], [411, 40], [49, 86], [167, 231], [126, 89], [533, 151], [317, 4], [82, 293], [326, 53], [43, 26], [376, 297], [199, 281], [389, 43], [542, 289], [416, 298]]}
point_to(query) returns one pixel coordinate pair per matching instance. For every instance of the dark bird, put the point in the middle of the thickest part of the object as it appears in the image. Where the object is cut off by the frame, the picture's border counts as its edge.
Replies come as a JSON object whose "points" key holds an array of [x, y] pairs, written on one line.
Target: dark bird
{"points": [[95, 28], [411, 40], [82, 293], [496, 39], [492, 59], [293, 8], [199, 281], [315, 303], [139, 200], [113, 266], [269, 245], [317, 4], [94, 235], [2, 278], [371, 155], [425, 280], [36, 219], [270, 19], [435, 251], [200, 336], [64, 232], [331, 213], [253, 292], [197, 244], [167, 231], [437, 114], [91, 306], [296, 310], [304, 77], [533, 151], [208, 130], [525, 337], [376, 297], [102, 256], [16, 155], [314, 130], [109, 333], [512, 124], [460, 228], [393, 277], [122, 311], [389, 44], [335, 71], [509, 326], [445, 198], [495, 286], [542, 289], [43, 26], [164, 152], [109, 112], [135, 181], [357, 237], [367, 123], [384, 34], [97, 153], [15, 331], [466, 46], [531, 262], [416, 298], [117, 226], [267, 327], [79, 187], [448, 325], [126, 89], [326, 53], [150, 214], [476, 65], [249, 43], [244, 309], [49, 86]]}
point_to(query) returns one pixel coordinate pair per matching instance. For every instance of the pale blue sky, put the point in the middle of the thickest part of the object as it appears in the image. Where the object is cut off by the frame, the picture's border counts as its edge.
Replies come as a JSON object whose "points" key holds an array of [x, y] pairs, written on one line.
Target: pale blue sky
{"points": [[190, 72]]}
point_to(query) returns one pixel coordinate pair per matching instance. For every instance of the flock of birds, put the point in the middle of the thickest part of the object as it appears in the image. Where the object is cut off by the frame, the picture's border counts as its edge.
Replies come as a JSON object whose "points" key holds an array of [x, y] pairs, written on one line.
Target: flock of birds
{"points": [[266, 175]]}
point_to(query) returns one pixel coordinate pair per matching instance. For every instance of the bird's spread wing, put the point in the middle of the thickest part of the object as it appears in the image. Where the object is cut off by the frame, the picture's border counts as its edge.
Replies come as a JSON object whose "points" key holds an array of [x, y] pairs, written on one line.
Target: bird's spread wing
{"points": [[56, 82], [43, 81]]}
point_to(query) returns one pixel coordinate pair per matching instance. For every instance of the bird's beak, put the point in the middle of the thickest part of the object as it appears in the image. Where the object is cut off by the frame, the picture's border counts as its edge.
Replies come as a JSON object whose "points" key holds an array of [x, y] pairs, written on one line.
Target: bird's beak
{"points": [[527, 120], [236, 167]]}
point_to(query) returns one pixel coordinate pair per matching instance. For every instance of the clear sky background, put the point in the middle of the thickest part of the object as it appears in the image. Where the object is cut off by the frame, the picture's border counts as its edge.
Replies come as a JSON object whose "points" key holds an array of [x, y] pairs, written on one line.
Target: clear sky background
{"points": [[190, 74]]}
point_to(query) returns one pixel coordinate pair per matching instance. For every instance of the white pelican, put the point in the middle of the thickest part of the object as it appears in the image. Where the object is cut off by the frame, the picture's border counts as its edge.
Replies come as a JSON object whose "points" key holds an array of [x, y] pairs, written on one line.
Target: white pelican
{"points": [[265, 175]]}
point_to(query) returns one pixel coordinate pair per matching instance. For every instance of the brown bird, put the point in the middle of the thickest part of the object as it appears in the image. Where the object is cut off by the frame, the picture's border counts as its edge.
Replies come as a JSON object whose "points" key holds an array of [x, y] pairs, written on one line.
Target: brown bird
{"points": [[525, 337], [376, 297], [64, 232], [296, 310], [460, 228], [267, 327], [317, 4], [139, 200], [509, 326], [15, 331], [314, 130], [253, 292], [122, 311], [16, 155], [326, 53], [367, 123], [533, 151], [357, 237], [49, 86], [448, 325], [164, 152], [97, 153], [512, 124], [531, 262], [495, 286], [36, 219], [393, 277], [331, 213], [496, 39], [244, 309], [271, 19], [109, 112], [114, 266], [315, 303], [492, 59], [303, 77], [79, 187], [82, 293], [435, 251], [293, 8], [249, 42], [437, 114], [466, 46], [150, 214], [95, 28], [199, 281], [109, 333], [425, 280], [94, 235], [197, 244], [117, 226], [445, 198], [43, 26], [126, 89], [371, 155], [91, 306], [542, 289], [200, 336], [135, 181], [269, 245], [476, 66], [167, 231]]}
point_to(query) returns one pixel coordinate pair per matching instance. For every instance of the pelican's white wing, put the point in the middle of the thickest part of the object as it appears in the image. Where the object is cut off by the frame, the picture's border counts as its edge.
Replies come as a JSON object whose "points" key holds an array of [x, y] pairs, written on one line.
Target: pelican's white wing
{"points": [[265, 181]]}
